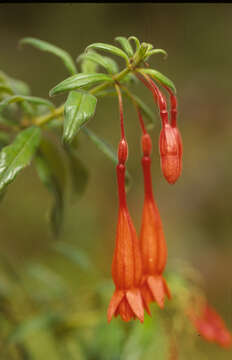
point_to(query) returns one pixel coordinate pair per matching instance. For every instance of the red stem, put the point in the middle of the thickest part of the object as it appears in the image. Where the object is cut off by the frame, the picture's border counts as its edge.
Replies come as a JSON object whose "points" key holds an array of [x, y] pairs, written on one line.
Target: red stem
{"points": [[157, 94], [141, 121], [173, 102]]}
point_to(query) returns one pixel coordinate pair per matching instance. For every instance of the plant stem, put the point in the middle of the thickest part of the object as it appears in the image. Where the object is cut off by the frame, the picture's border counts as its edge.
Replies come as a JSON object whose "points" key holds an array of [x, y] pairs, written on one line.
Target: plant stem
{"points": [[41, 120]]}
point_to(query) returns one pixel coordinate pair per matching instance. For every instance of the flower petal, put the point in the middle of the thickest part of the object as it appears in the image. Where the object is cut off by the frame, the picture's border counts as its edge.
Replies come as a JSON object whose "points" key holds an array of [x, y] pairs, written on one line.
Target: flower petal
{"points": [[156, 286], [114, 302], [135, 301]]}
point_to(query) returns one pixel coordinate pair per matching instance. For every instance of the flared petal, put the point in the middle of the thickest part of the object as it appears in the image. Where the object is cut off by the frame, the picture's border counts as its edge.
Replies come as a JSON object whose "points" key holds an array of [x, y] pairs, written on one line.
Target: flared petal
{"points": [[147, 297], [135, 301], [114, 303], [156, 286]]}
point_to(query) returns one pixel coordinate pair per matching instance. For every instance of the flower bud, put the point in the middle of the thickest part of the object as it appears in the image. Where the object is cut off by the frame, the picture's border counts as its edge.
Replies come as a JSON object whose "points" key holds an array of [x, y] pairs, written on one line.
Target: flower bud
{"points": [[170, 148], [122, 151]]}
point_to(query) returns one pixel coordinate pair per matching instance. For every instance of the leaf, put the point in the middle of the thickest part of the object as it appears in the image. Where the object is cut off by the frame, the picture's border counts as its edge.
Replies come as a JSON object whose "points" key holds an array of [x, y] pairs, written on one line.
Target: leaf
{"points": [[88, 66], [107, 150], [6, 89], [104, 61], [160, 77], [20, 98], [157, 51], [52, 172], [19, 87], [4, 139], [79, 173], [77, 256], [45, 46], [125, 45], [18, 155], [78, 109], [79, 81], [136, 41], [109, 48]]}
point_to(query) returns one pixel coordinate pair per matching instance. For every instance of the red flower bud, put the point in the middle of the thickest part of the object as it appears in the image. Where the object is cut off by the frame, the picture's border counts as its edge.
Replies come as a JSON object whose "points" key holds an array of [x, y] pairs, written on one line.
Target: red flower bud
{"points": [[170, 147], [210, 325], [127, 264]]}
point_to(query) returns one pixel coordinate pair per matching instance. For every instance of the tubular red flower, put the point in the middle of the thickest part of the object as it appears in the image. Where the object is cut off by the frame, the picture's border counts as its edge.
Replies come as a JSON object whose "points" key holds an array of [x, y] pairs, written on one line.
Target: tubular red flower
{"points": [[170, 147], [210, 325], [152, 240], [127, 264]]}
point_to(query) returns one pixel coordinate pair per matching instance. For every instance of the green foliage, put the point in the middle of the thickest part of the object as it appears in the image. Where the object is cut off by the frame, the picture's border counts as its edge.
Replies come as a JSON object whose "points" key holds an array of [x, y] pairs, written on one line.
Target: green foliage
{"points": [[78, 109], [45, 46], [14, 157], [109, 48], [160, 77], [79, 81]]}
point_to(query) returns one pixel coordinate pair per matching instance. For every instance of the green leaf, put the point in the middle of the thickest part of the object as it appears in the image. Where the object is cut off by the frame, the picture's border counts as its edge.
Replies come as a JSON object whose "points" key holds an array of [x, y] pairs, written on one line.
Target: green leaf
{"points": [[157, 51], [79, 81], [160, 77], [104, 61], [45, 46], [109, 48], [136, 41], [125, 45], [52, 172], [18, 155], [19, 87], [6, 89], [79, 173], [77, 256], [88, 66], [4, 139], [78, 109], [20, 98], [107, 150]]}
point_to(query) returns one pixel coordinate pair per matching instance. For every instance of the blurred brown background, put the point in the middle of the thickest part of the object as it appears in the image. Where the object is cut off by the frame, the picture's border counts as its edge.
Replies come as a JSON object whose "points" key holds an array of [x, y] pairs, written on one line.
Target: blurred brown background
{"points": [[196, 211]]}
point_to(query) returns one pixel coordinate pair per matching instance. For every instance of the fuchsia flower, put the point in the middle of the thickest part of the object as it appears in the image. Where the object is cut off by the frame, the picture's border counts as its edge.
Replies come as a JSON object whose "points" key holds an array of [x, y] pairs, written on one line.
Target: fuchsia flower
{"points": [[152, 240], [211, 327], [127, 266]]}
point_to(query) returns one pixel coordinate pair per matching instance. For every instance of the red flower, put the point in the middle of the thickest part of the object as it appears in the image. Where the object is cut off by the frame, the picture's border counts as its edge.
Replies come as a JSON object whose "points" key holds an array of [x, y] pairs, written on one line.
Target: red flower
{"points": [[170, 147], [127, 264], [210, 325], [152, 240]]}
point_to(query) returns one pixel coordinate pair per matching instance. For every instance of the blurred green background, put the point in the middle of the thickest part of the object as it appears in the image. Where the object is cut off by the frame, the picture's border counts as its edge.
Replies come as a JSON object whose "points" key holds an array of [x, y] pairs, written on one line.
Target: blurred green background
{"points": [[196, 212]]}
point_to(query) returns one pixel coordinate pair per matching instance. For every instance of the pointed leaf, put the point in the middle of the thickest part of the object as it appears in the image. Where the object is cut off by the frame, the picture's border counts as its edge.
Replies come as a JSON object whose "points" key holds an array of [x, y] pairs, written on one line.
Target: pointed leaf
{"points": [[125, 45], [52, 172], [104, 61], [136, 41], [160, 77], [88, 66], [109, 48], [20, 98], [78, 171], [79, 81], [16, 156], [78, 109], [45, 46]]}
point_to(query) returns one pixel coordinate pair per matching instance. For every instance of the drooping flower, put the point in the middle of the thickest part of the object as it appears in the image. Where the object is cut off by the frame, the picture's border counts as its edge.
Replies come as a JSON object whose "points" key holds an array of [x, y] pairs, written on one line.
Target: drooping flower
{"points": [[152, 240], [127, 264], [170, 153], [210, 326]]}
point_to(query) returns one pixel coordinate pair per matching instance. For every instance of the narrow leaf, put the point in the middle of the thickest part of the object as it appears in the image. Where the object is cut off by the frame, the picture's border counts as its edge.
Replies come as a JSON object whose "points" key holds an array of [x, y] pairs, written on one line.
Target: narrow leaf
{"points": [[78, 109], [104, 61], [160, 77], [18, 155], [45, 46], [136, 41], [51, 170], [20, 98], [109, 48], [125, 45], [79, 81]]}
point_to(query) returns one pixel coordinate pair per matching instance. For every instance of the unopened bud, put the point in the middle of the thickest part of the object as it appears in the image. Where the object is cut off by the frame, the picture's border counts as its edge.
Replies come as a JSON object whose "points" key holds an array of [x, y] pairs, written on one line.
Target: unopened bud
{"points": [[146, 145], [170, 153], [122, 151]]}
